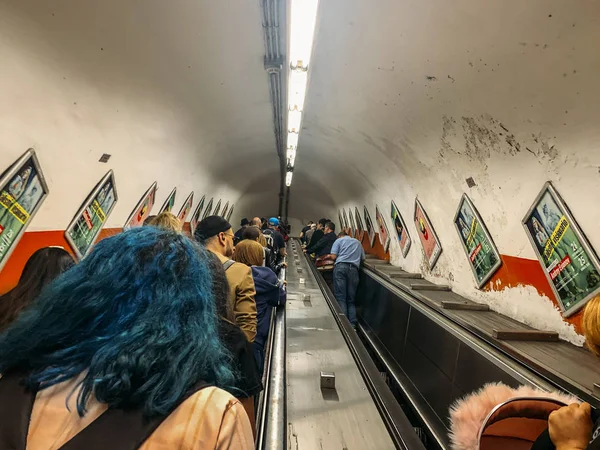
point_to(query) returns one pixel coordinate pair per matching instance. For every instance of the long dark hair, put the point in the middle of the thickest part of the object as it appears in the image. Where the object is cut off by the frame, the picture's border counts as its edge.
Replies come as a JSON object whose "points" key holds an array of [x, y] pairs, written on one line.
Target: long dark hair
{"points": [[220, 288], [41, 268], [137, 316]]}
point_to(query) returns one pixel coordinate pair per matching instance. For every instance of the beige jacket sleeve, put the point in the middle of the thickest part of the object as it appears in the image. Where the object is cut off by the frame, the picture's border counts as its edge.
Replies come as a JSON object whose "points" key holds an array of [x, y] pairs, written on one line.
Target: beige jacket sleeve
{"points": [[235, 432], [244, 306]]}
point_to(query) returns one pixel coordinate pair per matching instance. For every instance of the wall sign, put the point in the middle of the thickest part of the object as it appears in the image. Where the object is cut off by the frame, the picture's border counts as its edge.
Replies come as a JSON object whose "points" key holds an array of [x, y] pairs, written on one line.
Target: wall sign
{"points": [[85, 227], [359, 225], [569, 262], [384, 234], [429, 240], [347, 225], [208, 209], [184, 212], [483, 255], [23, 189], [353, 231], [401, 230], [370, 227], [169, 202], [196, 216], [224, 213], [341, 227], [217, 208], [230, 213], [143, 208]]}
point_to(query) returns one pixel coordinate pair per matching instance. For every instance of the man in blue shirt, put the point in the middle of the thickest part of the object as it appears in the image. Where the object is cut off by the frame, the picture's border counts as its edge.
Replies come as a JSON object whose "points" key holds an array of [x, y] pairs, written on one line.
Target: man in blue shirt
{"points": [[348, 254]]}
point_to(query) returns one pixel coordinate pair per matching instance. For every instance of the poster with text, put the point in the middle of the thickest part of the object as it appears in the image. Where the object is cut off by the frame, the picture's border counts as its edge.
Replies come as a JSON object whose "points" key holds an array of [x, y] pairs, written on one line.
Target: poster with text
{"points": [[208, 209], [401, 230], [224, 213], [359, 226], [184, 212], [85, 227], [483, 255], [169, 202], [347, 224], [143, 209], [569, 262], [23, 189], [229, 214], [429, 240], [353, 231], [370, 228], [384, 235], [196, 216]]}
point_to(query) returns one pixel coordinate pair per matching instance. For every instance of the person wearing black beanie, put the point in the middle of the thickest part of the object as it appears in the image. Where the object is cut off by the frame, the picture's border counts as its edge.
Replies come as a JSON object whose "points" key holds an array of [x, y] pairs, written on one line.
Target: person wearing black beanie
{"points": [[215, 234]]}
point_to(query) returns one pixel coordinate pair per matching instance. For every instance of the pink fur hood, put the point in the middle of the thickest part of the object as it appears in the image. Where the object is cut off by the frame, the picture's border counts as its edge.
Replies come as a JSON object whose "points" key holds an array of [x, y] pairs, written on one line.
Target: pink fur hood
{"points": [[468, 413]]}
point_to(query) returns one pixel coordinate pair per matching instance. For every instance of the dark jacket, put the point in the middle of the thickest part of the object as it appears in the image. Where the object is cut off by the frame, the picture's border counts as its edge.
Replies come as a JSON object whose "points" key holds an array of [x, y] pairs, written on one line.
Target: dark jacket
{"points": [[269, 292], [323, 245]]}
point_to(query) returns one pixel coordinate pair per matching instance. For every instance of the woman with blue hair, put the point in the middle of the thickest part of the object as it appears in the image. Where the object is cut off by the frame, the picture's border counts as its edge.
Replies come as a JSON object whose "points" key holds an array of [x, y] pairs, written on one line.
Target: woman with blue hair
{"points": [[129, 335]]}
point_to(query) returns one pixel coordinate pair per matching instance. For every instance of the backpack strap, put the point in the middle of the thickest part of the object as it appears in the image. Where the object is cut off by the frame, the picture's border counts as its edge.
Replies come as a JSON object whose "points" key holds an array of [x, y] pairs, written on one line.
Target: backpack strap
{"points": [[16, 404], [227, 264]]}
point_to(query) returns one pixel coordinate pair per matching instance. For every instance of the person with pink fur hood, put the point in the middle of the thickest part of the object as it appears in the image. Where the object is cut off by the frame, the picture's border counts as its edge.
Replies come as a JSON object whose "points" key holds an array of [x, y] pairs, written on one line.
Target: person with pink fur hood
{"points": [[566, 425]]}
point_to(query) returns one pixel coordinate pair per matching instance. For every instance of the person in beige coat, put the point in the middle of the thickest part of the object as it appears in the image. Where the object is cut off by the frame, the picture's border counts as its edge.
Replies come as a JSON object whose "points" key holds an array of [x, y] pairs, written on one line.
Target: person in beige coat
{"points": [[216, 235]]}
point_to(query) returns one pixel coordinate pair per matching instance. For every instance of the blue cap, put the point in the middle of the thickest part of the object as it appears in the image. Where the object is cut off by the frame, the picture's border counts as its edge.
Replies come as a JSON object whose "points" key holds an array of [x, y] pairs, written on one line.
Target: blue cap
{"points": [[274, 221]]}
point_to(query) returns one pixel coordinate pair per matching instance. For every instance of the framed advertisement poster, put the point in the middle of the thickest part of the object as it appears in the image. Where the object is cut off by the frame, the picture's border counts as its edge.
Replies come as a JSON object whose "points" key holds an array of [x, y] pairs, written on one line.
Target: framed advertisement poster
{"points": [[569, 261], [353, 232], [85, 227], [217, 208], [224, 213], [477, 243], [359, 226], [143, 208], [23, 189], [229, 214], [341, 223], [169, 202], [184, 212], [347, 224], [401, 230], [196, 216], [370, 227], [429, 240], [208, 209], [384, 234]]}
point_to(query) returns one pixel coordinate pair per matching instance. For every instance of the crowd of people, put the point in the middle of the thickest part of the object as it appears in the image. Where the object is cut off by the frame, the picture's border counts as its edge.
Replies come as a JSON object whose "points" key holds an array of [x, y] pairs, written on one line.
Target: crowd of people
{"points": [[159, 333]]}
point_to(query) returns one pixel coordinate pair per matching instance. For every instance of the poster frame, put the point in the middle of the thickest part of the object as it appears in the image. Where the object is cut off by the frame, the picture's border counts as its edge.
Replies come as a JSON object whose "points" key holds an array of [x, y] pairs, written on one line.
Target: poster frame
{"points": [[217, 210], [341, 220], [353, 232], [386, 244], [549, 187], [225, 210], [86, 203], [6, 176], [360, 231], [418, 204], [196, 215], [230, 213], [465, 199], [208, 209], [163, 208], [153, 186], [369, 220], [408, 238], [346, 223], [187, 199]]}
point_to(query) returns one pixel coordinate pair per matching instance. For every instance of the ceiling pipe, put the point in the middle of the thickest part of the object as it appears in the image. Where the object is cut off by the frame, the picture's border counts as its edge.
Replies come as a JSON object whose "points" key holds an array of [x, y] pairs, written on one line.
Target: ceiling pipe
{"points": [[274, 65]]}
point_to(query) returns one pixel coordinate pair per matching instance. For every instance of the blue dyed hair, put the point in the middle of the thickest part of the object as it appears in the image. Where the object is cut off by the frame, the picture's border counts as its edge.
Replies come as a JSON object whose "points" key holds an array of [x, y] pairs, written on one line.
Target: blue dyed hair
{"points": [[138, 313]]}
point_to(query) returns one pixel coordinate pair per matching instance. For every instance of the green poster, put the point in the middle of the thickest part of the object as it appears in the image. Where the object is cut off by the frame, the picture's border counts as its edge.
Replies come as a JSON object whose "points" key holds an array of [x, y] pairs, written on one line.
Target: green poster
{"points": [[196, 216], [22, 192], [483, 255], [169, 202], [89, 220], [569, 262]]}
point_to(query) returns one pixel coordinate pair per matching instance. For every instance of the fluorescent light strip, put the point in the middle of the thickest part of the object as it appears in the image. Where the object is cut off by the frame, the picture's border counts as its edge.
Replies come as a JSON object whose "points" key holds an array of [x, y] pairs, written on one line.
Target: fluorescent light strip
{"points": [[302, 33]]}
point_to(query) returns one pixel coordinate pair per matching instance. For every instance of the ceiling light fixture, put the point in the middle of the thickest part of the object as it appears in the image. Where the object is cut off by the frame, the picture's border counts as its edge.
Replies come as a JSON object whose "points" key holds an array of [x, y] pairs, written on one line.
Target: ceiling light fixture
{"points": [[303, 19]]}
